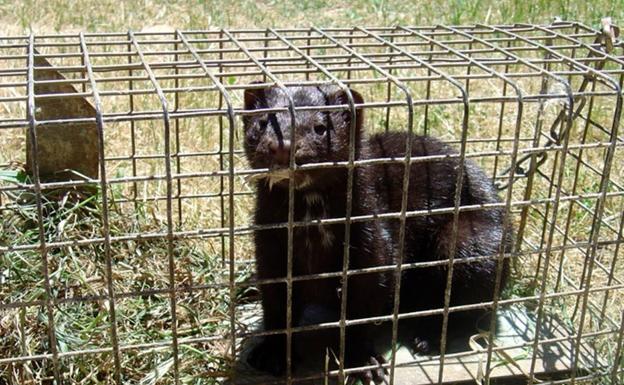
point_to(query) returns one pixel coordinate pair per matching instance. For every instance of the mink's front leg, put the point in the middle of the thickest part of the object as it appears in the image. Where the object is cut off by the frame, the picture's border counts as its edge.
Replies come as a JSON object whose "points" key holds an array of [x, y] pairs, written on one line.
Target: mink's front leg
{"points": [[369, 295], [270, 354], [366, 299]]}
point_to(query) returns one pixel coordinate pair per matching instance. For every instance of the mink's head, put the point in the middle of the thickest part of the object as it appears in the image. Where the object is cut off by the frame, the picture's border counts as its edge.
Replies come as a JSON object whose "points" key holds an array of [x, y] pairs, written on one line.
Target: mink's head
{"points": [[319, 136]]}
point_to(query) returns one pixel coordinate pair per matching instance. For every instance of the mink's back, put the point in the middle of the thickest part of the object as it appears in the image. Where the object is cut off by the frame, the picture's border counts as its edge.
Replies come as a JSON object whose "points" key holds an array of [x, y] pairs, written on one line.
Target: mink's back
{"points": [[432, 185], [432, 182]]}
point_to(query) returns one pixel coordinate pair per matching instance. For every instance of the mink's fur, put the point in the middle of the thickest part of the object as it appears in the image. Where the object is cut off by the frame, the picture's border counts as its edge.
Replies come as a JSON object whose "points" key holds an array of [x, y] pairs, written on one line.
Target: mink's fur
{"points": [[322, 194]]}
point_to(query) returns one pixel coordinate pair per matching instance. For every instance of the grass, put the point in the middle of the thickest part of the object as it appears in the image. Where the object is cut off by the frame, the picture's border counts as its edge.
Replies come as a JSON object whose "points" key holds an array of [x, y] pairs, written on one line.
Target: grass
{"points": [[79, 272], [66, 16], [203, 308]]}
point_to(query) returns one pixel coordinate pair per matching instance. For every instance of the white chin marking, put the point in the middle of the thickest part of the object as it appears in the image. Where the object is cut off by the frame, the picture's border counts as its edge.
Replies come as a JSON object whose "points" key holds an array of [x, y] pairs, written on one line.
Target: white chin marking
{"points": [[276, 176]]}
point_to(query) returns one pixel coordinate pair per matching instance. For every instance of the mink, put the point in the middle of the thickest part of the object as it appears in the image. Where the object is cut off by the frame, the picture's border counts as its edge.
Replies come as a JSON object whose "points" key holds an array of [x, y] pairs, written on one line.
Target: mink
{"points": [[322, 193]]}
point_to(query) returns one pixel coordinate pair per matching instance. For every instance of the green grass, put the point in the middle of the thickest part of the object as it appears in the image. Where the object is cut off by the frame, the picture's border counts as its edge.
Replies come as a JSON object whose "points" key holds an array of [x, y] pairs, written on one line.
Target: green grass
{"points": [[80, 272]]}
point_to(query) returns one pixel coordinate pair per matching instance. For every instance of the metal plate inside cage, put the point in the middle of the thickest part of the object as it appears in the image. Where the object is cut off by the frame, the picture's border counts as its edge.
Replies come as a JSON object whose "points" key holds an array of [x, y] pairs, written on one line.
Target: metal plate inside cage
{"points": [[511, 360]]}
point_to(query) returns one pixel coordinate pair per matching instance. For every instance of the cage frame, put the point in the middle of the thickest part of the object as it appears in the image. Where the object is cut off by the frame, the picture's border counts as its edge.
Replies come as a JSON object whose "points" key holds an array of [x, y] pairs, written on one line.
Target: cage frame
{"points": [[385, 35]]}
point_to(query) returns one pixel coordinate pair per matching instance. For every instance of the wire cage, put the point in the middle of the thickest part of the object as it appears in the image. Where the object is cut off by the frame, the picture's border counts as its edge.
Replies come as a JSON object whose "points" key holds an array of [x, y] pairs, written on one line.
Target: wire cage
{"points": [[126, 250]]}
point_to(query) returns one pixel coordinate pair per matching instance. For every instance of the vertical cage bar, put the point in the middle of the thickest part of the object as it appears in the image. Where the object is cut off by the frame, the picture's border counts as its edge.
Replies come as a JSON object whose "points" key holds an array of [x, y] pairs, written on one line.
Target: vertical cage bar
{"points": [[176, 128], [308, 43], [224, 96], [291, 198], [265, 53], [231, 282], [577, 169], [43, 249], [501, 121], [547, 74], [221, 155], [389, 84], [428, 92], [548, 57], [458, 188], [350, 59], [22, 321], [105, 213], [574, 48], [135, 187], [596, 224], [403, 219], [542, 258], [513, 163], [509, 195], [551, 231], [169, 184], [612, 270], [407, 162], [348, 210], [620, 235], [604, 182]]}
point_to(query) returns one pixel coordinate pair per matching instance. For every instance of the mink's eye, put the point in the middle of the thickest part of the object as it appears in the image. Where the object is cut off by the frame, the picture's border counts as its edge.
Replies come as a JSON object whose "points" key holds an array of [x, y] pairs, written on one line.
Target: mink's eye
{"points": [[263, 125], [320, 129]]}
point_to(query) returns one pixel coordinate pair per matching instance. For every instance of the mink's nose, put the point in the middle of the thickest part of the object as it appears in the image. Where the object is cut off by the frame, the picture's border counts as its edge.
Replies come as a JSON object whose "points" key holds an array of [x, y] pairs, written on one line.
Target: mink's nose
{"points": [[281, 154]]}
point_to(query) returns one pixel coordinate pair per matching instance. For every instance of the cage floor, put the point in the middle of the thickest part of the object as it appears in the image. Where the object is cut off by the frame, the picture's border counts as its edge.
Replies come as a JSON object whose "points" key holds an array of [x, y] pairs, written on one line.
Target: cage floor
{"points": [[510, 365]]}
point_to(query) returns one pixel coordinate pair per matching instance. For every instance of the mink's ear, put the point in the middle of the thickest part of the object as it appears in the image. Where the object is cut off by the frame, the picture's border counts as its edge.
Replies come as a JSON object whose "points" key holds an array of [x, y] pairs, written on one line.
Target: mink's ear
{"points": [[254, 97], [341, 97]]}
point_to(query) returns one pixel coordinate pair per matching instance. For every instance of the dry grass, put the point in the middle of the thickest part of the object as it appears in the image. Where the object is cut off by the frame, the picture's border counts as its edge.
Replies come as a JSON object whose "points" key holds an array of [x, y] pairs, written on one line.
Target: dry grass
{"points": [[201, 274], [106, 15]]}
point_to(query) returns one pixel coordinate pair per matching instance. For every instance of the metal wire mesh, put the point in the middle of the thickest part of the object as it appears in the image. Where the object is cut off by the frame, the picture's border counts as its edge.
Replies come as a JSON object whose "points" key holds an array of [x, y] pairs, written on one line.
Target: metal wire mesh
{"points": [[538, 107]]}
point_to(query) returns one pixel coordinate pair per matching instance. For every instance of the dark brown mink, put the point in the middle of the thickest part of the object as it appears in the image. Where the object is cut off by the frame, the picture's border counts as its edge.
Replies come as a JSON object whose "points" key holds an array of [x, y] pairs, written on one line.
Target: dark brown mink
{"points": [[323, 136], [432, 185]]}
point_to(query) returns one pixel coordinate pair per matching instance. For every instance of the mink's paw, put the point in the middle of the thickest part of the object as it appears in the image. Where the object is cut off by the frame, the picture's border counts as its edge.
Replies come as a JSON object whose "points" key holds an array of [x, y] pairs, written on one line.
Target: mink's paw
{"points": [[377, 375], [268, 356]]}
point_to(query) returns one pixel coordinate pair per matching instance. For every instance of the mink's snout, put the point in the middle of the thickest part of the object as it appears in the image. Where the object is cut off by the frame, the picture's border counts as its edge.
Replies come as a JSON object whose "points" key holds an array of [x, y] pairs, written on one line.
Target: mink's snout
{"points": [[280, 152]]}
